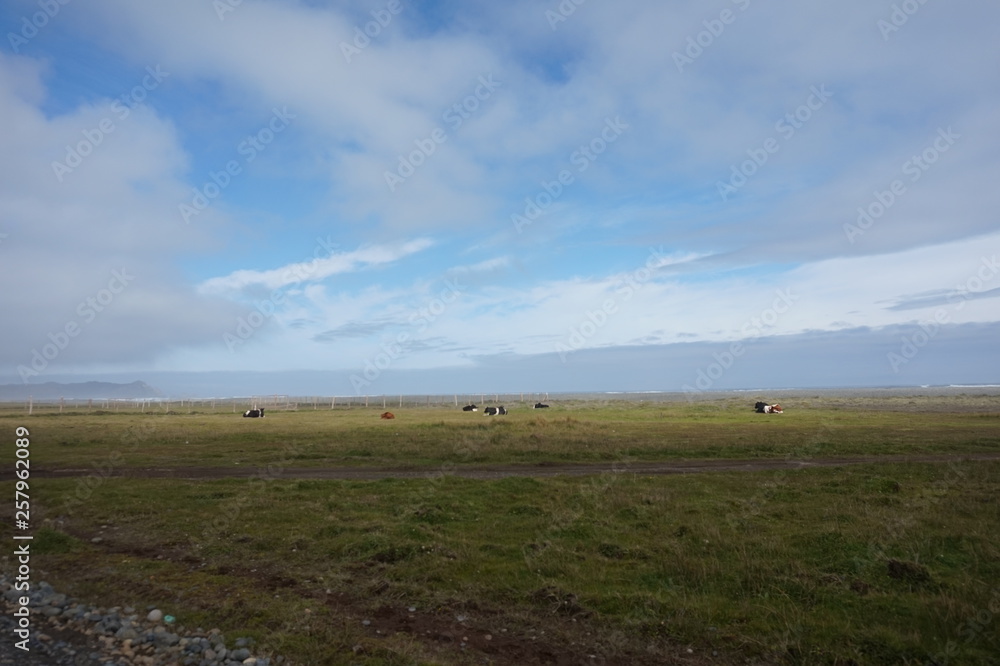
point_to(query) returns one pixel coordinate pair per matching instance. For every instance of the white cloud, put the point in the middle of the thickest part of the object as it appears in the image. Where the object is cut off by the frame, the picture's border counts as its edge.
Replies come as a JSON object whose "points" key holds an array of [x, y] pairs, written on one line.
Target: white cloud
{"points": [[69, 232], [315, 270]]}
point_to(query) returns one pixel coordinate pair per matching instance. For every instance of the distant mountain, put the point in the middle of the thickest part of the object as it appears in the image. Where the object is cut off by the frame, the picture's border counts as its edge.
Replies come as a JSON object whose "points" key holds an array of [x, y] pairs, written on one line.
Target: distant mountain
{"points": [[78, 391]]}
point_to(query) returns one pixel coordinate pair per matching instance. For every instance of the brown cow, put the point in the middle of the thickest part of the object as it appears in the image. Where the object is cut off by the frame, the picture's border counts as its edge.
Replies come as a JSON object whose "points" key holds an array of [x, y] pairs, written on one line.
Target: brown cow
{"points": [[388, 415]]}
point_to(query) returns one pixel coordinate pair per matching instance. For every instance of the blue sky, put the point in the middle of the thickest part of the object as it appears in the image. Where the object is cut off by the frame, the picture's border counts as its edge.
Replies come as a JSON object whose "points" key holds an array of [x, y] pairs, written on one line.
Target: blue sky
{"points": [[473, 196]]}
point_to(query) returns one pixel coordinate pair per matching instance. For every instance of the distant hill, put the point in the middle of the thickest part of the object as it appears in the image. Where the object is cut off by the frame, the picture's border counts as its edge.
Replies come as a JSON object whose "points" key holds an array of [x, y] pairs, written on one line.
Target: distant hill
{"points": [[78, 391]]}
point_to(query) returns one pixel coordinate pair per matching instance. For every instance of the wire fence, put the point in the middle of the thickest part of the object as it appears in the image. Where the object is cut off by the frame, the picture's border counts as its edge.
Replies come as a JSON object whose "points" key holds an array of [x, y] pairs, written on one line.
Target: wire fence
{"points": [[275, 402], [280, 402]]}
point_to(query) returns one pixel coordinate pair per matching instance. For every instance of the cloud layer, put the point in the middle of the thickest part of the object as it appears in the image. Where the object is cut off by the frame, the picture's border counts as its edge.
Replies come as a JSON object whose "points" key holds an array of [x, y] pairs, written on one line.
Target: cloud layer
{"points": [[373, 189]]}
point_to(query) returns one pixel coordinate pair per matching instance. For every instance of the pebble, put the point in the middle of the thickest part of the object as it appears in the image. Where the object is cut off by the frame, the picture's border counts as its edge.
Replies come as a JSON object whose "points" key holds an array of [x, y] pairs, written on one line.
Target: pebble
{"points": [[92, 636]]}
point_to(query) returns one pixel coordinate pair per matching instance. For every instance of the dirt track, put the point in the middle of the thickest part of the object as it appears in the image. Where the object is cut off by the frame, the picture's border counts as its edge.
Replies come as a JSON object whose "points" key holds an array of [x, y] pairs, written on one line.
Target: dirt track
{"points": [[500, 471]]}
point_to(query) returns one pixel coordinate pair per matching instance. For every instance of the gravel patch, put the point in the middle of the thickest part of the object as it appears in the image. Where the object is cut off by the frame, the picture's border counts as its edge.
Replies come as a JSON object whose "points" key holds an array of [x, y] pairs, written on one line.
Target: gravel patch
{"points": [[65, 632]]}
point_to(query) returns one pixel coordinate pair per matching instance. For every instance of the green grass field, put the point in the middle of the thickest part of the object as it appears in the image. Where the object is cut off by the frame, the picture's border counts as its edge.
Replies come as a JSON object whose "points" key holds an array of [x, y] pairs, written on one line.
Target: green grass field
{"points": [[575, 432], [883, 563]]}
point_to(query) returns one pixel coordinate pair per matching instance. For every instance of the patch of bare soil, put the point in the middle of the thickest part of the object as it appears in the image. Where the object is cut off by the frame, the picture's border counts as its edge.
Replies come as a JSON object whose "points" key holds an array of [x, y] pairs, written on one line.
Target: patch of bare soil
{"points": [[556, 630]]}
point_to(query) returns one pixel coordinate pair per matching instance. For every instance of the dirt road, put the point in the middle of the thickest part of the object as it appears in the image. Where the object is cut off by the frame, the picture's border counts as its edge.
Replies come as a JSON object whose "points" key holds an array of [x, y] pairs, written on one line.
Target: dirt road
{"points": [[501, 471]]}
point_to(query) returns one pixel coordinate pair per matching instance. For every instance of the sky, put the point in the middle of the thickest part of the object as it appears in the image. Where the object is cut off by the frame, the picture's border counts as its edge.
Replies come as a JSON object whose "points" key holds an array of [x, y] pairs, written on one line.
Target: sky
{"points": [[226, 197]]}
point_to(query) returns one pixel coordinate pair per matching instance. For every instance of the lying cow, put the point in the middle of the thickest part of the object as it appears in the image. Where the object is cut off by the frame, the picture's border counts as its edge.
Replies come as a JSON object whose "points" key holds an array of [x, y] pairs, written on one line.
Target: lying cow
{"points": [[764, 408], [388, 415], [254, 413], [494, 411], [539, 405], [469, 408]]}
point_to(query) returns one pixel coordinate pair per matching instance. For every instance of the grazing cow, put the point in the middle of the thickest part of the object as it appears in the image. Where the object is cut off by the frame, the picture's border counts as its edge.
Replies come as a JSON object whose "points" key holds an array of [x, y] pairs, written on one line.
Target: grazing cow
{"points": [[764, 408], [469, 408], [539, 405], [254, 413], [388, 415]]}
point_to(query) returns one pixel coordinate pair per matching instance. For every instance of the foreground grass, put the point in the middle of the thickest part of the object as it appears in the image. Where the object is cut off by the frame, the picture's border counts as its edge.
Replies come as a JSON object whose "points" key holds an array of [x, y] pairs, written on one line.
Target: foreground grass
{"points": [[571, 432], [872, 564]]}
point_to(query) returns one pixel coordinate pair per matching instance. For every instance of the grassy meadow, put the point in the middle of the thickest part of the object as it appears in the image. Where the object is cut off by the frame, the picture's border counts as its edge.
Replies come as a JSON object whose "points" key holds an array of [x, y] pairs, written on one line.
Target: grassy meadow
{"points": [[581, 431], [880, 563]]}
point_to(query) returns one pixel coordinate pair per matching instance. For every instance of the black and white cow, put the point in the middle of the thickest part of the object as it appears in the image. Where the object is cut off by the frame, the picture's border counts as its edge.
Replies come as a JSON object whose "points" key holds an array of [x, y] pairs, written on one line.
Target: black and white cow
{"points": [[254, 413], [469, 408], [764, 408], [539, 405], [494, 411]]}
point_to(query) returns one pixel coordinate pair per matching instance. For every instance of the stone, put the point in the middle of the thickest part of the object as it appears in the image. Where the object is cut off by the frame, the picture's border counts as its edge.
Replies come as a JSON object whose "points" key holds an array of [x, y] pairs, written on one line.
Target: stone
{"points": [[155, 615], [127, 633]]}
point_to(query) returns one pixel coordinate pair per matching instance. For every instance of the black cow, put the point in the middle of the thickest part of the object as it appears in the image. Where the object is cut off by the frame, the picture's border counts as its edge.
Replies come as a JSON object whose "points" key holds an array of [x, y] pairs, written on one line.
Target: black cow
{"points": [[539, 405], [254, 413], [490, 411], [469, 408]]}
